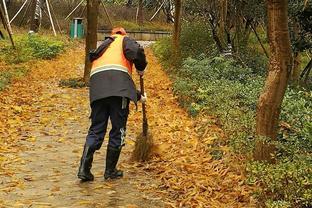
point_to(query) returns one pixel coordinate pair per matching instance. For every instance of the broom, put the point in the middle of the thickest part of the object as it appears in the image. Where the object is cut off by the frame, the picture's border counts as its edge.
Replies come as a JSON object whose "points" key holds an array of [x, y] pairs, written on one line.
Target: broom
{"points": [[144, 142]]}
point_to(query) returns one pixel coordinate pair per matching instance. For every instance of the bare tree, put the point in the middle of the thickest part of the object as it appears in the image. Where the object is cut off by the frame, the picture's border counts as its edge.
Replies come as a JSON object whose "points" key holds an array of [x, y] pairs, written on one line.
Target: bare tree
{"points": [[177, 27], [270, 100], [91, 39]]}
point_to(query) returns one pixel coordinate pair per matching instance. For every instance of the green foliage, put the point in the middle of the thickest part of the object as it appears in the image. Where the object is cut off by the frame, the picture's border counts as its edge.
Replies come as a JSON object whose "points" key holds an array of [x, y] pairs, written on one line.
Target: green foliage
{"points": [[222, 87], [149, 26], [300, 14], [29, 48], [296, 134], [277, 204], [44, 48], [196, 40], [286, 183], [163, 50], [253, 55]]}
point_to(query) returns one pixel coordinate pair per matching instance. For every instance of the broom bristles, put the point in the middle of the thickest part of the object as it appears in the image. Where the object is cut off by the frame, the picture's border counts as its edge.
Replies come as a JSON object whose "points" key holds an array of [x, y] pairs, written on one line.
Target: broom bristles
{"points": [[143, 147]]}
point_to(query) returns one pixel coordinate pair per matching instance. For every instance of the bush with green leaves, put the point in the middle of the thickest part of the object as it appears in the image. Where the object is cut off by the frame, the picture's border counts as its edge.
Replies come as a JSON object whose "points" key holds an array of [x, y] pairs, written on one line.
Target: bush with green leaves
{"points": [[196, 40], [163, 50], [29, 47], [44, 48], [223, 87], [288, 182]]}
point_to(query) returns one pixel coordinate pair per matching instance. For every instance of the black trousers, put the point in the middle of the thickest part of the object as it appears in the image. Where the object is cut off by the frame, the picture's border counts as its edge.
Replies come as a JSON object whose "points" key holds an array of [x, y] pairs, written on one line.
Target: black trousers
{"points": [[115, 108]]}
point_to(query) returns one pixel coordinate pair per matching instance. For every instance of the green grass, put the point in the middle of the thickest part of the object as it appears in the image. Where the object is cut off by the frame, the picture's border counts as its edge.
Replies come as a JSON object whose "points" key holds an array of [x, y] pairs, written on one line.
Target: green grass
{"points": [[30, 48], [220, 86], [149, 26], [27, 48]]}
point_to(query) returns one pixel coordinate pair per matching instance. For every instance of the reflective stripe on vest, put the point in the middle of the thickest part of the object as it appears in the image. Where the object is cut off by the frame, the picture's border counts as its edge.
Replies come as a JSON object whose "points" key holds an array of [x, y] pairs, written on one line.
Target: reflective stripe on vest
{"points": [[112, 59]]}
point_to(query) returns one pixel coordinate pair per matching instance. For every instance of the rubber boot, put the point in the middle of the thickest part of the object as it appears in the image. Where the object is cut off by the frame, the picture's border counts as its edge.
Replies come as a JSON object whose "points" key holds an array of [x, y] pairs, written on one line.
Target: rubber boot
{"points": [[84, 172], [112, 156]]}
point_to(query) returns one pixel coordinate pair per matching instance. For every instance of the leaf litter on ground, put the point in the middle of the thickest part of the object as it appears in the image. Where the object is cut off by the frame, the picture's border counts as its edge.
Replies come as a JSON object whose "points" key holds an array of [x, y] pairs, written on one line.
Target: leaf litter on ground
{"points": [[182, 174]]}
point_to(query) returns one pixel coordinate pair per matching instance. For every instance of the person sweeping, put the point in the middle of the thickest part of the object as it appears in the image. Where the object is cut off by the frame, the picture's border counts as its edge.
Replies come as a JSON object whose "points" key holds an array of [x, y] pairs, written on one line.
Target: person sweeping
{"points": [[111, 90]]}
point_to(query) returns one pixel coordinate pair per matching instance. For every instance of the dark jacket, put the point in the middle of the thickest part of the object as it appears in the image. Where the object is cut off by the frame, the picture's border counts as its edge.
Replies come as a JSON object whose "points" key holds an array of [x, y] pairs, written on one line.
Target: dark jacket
{"points": [[116, 83]]}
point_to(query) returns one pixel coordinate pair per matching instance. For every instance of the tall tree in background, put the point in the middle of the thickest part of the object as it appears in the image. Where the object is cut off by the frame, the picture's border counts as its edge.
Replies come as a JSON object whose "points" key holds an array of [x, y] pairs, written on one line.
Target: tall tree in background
{"points": [[177, 27], [300, 25], [91, 39], [35, 12], [129, 3], [140, 13], [222, 22], [270, 100]]}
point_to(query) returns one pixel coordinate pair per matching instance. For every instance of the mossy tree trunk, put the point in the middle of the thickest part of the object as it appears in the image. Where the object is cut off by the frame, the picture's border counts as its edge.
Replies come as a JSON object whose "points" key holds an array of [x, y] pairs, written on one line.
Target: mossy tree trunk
{"points": [[91, 39], [270, 100]]}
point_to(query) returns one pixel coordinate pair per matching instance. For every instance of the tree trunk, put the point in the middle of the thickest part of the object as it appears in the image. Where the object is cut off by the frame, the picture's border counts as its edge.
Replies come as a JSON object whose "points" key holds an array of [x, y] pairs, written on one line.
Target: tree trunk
{"points": [[222, 23], [34, 26], [140, 13], [295, 75], [177, 28], [129, 3], [91, 39], [5, 25], [305, 74], [259, 40], [215, 36], [270, 100]]}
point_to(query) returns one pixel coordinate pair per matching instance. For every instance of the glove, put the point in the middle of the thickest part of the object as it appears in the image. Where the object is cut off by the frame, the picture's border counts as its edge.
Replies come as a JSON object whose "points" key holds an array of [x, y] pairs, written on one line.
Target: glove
{"points": [[92, 55], [143, 98], [141, 73]]}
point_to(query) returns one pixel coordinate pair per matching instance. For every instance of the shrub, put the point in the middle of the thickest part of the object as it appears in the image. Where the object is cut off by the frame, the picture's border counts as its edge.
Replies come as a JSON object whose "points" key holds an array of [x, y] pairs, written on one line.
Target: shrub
{"points": [[149, 26], [44, 48], [31, 47], [222, 87], [163, 50], [195, 42], [286, 183], [27, 48], [196, 39]]}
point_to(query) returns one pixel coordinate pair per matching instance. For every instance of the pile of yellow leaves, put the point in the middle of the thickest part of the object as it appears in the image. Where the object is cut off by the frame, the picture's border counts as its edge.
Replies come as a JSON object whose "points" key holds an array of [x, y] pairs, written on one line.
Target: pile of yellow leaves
{"points": [[186, 170], [183, 173]]}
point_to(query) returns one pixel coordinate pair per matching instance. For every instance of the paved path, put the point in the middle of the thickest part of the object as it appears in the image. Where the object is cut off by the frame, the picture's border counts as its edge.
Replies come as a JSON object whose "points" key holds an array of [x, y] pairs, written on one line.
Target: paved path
{"points": [[50, 141], [43, 128]]}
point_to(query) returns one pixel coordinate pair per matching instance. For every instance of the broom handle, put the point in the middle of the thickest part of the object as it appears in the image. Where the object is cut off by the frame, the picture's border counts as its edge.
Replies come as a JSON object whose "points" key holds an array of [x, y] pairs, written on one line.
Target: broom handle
{"points": [[145, 126]]}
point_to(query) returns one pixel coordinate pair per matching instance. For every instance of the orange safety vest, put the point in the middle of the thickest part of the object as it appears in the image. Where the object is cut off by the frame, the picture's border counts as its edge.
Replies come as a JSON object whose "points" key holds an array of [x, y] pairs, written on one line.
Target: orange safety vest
{"points": [[113, 58]]}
